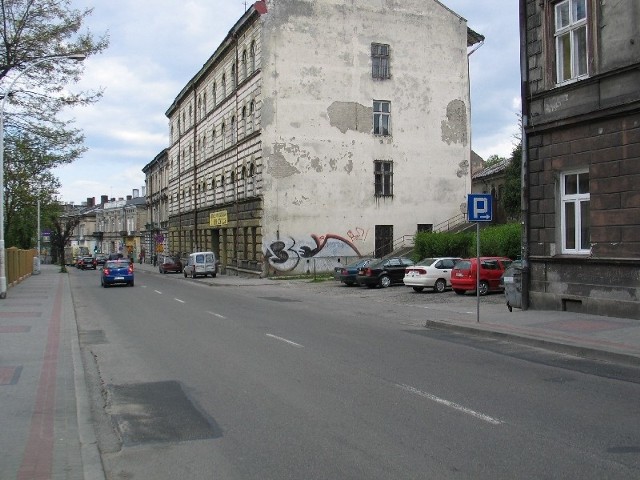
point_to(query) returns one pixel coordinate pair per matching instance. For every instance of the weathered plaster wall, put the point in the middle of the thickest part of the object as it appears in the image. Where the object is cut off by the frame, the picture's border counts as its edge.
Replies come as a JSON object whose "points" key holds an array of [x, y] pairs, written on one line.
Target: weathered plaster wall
{"points": [[318, 146]]}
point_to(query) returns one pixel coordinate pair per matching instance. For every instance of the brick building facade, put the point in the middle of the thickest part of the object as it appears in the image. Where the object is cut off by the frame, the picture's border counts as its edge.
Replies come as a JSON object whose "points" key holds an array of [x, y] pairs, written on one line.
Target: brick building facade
{"points": [[581, 109]]}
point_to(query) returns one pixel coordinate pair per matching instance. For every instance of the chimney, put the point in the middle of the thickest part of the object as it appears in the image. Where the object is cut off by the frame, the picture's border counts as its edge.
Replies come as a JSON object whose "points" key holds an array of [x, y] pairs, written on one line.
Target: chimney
{"points": [[136, 193], [128, 197], [104, 199], [91, 201]]}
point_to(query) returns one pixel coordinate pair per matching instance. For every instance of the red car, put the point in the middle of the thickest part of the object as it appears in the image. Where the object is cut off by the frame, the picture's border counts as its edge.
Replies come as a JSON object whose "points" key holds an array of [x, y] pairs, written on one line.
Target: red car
{"points": [[464, 274], [170, 264]]}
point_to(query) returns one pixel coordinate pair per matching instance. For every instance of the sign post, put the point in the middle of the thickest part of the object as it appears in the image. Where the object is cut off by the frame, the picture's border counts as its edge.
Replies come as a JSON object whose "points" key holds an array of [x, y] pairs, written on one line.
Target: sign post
{"points": [[479, 209]]}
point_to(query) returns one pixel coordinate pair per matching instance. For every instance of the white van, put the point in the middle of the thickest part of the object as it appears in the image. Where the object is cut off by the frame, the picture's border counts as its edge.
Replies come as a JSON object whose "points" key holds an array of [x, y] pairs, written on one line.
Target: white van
{"points": [[201, 263]]}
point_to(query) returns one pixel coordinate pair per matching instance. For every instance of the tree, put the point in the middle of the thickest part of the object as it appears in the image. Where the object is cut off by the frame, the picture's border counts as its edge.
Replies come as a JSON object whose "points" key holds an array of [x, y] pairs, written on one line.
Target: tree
{"points": [[36, 138], [28, 179], [62, 228], [511, 198]]}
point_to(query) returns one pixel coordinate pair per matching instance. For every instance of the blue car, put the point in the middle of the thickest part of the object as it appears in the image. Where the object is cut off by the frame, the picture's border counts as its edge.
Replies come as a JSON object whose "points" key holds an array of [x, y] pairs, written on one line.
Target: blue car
{"points": [[117, 272], [348, 273]]}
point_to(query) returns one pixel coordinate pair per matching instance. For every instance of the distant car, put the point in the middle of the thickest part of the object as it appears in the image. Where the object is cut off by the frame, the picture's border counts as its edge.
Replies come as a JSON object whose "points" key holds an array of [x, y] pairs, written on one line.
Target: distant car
{"points": [[464, 274], [170, 264], [100, 258], [383, 272], [430, 273], [115, 256], [201, 263], [117, 272], [348, 273], [86, 263]]}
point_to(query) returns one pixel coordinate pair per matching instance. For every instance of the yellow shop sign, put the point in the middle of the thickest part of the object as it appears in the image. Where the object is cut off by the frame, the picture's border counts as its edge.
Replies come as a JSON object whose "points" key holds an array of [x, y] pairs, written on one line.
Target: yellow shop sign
{"points": [[218, 219]]}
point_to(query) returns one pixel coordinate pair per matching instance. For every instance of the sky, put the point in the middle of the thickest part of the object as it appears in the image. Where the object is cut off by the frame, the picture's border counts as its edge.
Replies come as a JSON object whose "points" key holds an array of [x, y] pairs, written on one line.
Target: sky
{"points": [[157, 46]]}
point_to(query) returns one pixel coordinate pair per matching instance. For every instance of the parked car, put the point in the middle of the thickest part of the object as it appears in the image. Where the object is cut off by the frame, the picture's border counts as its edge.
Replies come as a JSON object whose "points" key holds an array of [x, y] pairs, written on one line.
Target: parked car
{"points": [[86, 263], [348, 273], [201, 263], [169, 264], [464, 274], [430, 272], [117, 272], [100, 258], [383, 272]]}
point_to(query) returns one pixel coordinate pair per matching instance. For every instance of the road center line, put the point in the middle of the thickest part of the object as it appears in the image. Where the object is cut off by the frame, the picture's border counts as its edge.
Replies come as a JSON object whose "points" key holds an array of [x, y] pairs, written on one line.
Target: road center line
{"points": [[216, 314], [178, 300], [297, 345], [158, 292], [455, 406]]}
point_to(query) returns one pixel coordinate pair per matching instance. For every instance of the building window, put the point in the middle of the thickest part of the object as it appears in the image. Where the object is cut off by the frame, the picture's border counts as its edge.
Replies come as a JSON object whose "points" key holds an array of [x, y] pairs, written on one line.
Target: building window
{"points": [[213, 92], [571, 40], [252, 56], [222, 133], [252, 111], [224, 85], [233, 130], [380, 61], [381, 118], [244, 64], [575, 211], [233, 77], [383, 178]]}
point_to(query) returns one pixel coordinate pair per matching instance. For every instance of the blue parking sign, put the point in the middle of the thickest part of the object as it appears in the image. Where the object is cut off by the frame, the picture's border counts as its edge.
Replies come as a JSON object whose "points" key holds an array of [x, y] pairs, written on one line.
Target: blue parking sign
{"points": [[480, 207]]}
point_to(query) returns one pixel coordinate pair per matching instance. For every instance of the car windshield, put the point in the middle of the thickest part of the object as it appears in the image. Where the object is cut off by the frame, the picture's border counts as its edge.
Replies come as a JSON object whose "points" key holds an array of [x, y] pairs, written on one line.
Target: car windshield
{"points": [[359, 263], [463, 265], [116, 264], [426, 262]]}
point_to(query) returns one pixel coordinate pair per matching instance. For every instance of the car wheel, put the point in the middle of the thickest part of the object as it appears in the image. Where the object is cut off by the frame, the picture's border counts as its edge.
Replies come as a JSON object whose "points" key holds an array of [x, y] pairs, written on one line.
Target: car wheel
{"points": [[484, 287], [418, 289], [213, 275], [458, 291], [349, 284], [131, 283], [185, 274], [440, 285], [385, 281], [193, 274]]}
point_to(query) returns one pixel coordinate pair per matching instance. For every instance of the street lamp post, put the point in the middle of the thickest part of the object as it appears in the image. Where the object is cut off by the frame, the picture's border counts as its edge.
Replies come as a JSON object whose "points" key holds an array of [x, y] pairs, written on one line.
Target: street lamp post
{"points": [[3, 266]]}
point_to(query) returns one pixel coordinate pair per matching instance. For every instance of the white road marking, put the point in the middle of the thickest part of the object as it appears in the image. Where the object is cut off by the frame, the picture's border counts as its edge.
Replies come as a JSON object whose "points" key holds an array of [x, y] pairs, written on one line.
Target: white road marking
{"points": [[216, 314], [455, 406], [158, 292], [178, 300], [285, 340]]}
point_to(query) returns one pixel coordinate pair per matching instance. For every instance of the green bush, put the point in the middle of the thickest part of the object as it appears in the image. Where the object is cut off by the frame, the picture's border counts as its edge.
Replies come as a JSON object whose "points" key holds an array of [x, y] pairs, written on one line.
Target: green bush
{"points": [[500, 240]]}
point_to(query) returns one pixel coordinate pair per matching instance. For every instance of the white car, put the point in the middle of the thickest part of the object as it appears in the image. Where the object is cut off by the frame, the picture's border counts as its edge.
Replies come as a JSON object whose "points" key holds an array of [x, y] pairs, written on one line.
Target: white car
{"points": [[430, 272]]}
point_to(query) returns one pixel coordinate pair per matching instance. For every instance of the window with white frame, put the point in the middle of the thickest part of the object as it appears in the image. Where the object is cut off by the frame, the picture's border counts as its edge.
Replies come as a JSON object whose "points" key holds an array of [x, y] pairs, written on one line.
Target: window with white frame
{"points": [[383, 178], [575, 198], [381, 118], [222, 139], [571, 40]]}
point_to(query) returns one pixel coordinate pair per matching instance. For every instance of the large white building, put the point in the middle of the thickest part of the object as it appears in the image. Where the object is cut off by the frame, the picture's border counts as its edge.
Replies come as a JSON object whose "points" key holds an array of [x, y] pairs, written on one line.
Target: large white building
{"points": [[320, 131]]}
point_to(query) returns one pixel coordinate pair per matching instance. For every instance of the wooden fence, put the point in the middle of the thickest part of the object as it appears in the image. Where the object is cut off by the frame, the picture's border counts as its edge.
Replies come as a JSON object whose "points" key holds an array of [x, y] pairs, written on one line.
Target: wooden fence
{"points": [[19, 264]]}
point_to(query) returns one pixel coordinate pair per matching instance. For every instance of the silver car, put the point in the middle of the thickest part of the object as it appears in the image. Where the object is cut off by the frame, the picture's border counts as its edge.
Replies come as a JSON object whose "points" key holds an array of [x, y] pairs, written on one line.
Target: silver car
{"points": [[430, 273]]}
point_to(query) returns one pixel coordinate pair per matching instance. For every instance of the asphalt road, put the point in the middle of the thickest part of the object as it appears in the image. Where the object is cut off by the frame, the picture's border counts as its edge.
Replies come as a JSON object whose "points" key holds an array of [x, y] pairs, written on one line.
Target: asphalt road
{"points": [[321, 381]]}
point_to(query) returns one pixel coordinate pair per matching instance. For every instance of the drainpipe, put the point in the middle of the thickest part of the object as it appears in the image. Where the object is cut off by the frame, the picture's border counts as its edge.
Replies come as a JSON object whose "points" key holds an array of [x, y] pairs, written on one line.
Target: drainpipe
{"points": [[524, 198]]}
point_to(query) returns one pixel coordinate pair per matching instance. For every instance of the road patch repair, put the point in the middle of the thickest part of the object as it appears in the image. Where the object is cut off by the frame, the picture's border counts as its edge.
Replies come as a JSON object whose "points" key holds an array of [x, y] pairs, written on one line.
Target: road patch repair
{"points": [[157, 412]]}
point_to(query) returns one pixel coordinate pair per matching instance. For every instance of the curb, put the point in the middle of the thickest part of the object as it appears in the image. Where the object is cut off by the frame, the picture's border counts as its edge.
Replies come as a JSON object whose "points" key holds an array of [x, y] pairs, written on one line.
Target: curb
{"points": [[578, 351]]}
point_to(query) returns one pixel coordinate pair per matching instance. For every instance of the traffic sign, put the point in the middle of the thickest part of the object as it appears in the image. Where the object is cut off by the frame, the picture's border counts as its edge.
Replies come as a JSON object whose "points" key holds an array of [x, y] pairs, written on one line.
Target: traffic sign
{"points": [[479, 207]]}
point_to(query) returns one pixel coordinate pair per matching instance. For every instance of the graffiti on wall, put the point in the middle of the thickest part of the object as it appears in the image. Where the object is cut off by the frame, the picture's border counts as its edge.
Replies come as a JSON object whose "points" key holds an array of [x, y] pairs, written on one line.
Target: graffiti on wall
{"points": [[285, 254]]}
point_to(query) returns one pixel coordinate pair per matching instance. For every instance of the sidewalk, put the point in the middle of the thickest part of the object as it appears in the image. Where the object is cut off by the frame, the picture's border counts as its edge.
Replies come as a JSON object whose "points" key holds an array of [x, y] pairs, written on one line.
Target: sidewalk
{"points": [[46, 425], [47, 431]]}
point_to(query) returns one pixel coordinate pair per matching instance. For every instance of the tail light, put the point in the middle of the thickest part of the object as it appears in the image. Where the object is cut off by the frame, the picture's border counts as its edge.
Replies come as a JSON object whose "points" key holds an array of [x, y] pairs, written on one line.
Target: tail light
{"points": [[130, 268], [105, 271]]}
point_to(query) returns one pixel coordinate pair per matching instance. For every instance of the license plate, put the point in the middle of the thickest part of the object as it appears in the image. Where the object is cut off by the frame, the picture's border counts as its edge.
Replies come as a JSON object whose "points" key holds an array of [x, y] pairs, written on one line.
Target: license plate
{"points": [[118, 278]]}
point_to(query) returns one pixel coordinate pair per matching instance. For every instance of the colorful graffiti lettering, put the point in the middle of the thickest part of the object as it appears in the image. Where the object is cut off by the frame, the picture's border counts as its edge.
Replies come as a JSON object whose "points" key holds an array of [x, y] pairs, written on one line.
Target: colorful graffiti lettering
{"points": [[285, 256]]}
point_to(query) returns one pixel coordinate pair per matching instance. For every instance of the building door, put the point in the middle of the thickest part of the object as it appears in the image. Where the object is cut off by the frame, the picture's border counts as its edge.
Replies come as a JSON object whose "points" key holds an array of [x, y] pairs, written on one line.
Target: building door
{"points": [[384, 240]]}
